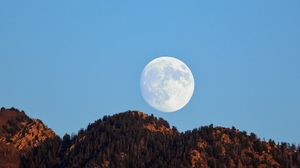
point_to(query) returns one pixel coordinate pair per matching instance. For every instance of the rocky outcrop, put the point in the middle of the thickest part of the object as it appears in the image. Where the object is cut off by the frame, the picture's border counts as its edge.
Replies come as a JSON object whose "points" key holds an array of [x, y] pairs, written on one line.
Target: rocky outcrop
{"points": [[18, 134]]}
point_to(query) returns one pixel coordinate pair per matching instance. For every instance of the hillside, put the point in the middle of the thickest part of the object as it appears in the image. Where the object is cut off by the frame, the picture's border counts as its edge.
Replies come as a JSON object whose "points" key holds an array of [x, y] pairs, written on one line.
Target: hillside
{"points": [[135, 139], [19, 134]]}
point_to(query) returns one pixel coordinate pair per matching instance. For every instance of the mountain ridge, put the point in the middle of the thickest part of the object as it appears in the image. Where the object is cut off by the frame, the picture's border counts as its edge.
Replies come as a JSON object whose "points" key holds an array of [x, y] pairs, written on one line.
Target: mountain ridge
{"points": [[136, 139]]}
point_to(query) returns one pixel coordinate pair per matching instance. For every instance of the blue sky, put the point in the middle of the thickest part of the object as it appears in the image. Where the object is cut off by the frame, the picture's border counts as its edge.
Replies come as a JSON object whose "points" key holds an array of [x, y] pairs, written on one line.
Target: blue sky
{"points": [[71, 62]]}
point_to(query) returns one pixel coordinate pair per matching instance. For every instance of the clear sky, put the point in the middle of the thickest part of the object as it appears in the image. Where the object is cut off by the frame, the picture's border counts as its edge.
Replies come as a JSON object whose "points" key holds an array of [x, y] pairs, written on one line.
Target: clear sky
{"points": [[72, 62]]}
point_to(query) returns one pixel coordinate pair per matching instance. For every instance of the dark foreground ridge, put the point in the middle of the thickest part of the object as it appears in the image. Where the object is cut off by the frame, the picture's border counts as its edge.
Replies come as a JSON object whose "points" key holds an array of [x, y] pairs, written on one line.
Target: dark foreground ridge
{"points": [[135, 139]]}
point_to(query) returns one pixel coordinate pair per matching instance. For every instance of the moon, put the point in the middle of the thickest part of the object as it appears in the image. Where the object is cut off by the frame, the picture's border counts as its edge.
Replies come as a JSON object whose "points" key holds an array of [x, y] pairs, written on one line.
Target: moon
{"points": [[167, 84]]}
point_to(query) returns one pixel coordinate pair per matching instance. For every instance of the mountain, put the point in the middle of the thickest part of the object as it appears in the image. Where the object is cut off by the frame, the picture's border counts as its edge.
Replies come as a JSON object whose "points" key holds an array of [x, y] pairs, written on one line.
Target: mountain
{"points": [[19, 134], [135, 139]]}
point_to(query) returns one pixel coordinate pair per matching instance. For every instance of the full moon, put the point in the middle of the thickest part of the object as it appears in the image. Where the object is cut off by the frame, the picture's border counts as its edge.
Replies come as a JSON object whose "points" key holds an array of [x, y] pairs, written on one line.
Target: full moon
{"points": [[167, 84]]}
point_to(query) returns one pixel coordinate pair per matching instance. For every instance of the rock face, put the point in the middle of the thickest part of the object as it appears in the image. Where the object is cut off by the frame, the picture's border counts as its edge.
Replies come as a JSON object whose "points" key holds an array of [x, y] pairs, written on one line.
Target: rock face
{"points": [[19, 134]]}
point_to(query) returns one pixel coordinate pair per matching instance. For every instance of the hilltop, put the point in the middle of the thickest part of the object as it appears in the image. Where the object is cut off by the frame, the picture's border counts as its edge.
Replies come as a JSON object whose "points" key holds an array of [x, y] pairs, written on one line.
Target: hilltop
{"points": [[19, 134]]}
